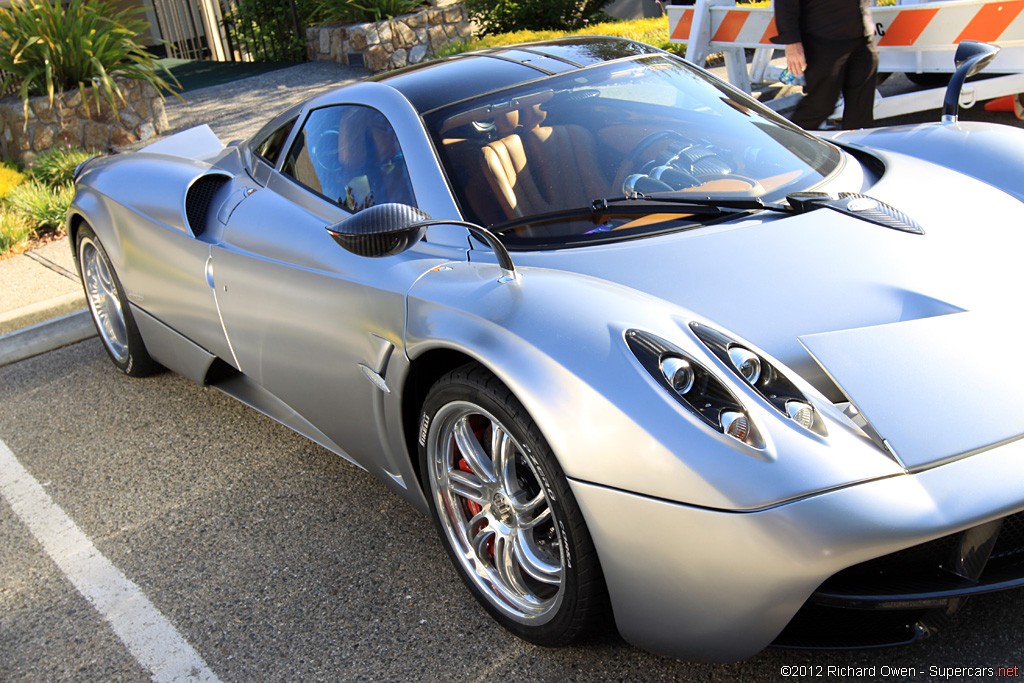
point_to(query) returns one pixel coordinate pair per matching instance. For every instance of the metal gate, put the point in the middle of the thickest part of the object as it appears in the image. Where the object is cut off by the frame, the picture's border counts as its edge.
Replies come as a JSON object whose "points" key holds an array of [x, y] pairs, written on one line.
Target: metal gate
{"points": [[231, 30]]}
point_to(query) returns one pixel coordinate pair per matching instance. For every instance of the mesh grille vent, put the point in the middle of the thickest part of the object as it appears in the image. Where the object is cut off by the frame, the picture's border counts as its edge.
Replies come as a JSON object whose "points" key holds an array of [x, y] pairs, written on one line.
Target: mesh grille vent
{"points": [[198, 198]]}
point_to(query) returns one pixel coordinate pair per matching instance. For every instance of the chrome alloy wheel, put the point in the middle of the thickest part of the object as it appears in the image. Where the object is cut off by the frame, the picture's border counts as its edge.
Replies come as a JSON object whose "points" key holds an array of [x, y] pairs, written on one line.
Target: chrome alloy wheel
{"points": [[104, 302], [495, 511]]}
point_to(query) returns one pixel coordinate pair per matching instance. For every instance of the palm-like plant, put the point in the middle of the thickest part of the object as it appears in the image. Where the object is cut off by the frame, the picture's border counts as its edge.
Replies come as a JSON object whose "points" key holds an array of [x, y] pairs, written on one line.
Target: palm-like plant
{"points": [[49, 48]]}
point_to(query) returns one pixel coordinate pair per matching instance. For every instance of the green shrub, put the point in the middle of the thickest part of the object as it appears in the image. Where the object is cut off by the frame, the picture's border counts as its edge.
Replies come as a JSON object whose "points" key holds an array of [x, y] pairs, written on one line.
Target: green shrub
{"points": [[650, 31], [15, 231], [9, 179], [504, 16], [44, 207], [52, 48], [57, 166], [357, 11]]}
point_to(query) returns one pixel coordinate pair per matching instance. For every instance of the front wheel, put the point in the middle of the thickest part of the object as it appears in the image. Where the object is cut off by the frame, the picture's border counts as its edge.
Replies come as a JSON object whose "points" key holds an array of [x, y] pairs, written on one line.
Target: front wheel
{"points": [[109, 308], [505, 511]]}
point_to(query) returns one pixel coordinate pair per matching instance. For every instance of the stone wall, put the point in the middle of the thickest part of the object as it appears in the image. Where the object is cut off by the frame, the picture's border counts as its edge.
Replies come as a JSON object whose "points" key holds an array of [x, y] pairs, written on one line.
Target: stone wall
{"points": [[384, 45], [67, 124]]}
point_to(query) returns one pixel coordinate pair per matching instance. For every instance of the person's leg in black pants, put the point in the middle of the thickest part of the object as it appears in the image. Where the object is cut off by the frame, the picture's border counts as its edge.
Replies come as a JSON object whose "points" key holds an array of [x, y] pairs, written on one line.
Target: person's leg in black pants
{"points": [[834, 67], [859, 86]]}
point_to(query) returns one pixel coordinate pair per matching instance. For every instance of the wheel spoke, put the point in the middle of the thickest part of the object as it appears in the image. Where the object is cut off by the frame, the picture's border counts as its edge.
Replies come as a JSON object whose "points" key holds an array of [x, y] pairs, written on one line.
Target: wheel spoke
{"points": [[531, 562], [528, 522], [503, 453], [472, 451], [104, 280], [533, 512], [467, 485], [506, 565], [476, 519], [479, 543], [526, 508]]}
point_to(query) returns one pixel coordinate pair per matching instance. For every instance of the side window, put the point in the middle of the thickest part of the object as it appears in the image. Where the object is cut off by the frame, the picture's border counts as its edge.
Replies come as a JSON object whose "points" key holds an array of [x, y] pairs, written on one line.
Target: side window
{"points": [[270, 148], [350, 154]]}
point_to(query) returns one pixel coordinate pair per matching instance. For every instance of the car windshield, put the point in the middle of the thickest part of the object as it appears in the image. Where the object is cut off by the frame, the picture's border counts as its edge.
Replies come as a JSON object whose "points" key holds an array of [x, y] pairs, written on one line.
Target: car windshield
{"points": [[652, 126]]}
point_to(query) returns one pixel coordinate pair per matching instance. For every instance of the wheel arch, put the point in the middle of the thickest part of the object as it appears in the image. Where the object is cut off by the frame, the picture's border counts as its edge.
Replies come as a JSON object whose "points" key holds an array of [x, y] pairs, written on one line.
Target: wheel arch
{"points": [[90, 207], [423, 372]]}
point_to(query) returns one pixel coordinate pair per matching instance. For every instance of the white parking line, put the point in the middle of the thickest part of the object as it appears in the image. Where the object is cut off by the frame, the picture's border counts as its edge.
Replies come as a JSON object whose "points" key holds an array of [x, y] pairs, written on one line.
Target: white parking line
{"points": [[148, 635]]}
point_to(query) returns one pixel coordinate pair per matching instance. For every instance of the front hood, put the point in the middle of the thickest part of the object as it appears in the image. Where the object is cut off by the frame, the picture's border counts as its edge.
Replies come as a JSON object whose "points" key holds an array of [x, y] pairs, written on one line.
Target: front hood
{"points": [[780, 280]]}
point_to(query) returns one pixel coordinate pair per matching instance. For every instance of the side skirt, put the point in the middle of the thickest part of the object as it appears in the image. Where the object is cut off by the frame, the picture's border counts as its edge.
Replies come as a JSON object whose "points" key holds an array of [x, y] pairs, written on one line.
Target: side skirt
{"points": [[186, 358], [241, 388]]}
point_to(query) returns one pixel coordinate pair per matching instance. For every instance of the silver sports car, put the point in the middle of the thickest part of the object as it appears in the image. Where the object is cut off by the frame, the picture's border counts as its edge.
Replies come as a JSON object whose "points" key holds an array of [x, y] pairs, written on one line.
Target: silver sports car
{"points": [[643, 349]]}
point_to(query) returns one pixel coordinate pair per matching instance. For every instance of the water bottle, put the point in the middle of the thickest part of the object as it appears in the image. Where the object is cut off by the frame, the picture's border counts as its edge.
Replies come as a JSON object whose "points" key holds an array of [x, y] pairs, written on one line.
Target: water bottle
{"points": [[787, 78]]}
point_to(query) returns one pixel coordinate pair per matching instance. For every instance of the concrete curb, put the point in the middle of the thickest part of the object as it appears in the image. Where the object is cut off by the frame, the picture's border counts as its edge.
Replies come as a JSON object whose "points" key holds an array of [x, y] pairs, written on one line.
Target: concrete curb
{"points": [[46, 336], [33, 314]]}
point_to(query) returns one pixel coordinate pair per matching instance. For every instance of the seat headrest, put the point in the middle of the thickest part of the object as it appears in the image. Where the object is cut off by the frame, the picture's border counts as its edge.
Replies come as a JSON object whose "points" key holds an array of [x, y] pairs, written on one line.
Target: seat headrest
{"points": [[533, 117], [506, 122]]}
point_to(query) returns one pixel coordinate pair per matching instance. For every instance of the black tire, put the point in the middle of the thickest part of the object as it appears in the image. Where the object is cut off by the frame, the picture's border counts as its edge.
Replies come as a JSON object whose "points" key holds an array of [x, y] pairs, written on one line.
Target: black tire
{"points": [[109, 308], [469, 410]]}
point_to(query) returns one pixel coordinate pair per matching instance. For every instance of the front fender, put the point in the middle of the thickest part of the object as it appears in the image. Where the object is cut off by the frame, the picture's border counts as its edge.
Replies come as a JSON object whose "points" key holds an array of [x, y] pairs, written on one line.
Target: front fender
{"points": [[990, 152], [557, 340]]}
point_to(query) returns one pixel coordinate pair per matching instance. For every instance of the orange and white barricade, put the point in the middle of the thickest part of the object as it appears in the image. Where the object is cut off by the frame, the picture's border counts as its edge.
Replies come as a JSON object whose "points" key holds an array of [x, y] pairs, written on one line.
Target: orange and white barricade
{"points": [[914, 38]]}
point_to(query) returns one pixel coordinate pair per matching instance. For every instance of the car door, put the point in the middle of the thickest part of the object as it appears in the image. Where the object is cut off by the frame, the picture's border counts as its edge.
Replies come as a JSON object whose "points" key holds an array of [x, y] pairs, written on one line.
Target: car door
{"points": [[308, 321]]}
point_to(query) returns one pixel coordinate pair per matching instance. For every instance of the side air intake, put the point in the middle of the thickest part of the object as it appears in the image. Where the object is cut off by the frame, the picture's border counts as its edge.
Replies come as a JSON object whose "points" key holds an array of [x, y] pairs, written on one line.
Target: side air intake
{"points": [[198, 198]]}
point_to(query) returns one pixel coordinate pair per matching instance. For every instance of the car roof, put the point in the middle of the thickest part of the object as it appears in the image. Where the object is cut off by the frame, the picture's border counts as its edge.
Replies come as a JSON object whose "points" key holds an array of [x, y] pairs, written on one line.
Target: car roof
{"points": [[434, 84], [438, 83]]}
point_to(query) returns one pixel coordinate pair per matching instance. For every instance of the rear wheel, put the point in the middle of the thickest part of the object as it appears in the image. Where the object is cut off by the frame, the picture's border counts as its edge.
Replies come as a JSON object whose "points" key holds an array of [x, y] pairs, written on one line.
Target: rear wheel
{"points": [[505, 511], [109, 308]]}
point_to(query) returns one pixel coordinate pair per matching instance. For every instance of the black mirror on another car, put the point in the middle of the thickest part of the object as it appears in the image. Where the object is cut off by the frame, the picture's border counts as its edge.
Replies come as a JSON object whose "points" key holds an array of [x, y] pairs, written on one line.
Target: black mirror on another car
{"points": [[389, 229], [971, 57]]}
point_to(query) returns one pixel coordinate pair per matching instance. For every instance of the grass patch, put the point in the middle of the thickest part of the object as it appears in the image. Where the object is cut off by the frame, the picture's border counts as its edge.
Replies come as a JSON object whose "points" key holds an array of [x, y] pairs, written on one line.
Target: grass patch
{"points": [[15, 232], [653, 31], [57, 166], [43, 206], [34, 202]]}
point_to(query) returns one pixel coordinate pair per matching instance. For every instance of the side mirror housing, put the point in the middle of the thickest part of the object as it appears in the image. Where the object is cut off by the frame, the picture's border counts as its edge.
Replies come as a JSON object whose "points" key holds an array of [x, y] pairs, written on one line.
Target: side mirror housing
{"points": [[971, 57], [381, 230], [389, 229]]}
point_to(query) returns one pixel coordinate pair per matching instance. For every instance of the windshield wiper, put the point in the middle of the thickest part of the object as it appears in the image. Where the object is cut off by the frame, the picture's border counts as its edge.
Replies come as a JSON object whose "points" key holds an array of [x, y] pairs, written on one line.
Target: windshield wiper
{"points": [[640, 205], [741, 204]]}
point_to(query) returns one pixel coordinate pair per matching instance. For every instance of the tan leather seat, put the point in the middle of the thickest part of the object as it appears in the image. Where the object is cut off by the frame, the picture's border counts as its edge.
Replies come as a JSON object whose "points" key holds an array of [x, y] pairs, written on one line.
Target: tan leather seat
{"points": [[564, 160], [530, 169], [508, 170]]}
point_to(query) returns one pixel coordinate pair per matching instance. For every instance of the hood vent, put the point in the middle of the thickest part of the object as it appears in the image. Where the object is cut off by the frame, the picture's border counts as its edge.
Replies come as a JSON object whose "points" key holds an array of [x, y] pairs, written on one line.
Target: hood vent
{"points": [[857, 205], [198, 198]]}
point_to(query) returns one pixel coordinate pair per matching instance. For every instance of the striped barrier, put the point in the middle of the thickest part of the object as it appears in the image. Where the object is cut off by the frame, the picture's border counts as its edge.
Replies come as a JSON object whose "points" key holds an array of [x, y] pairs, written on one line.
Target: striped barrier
{"points": [[914, 38]]}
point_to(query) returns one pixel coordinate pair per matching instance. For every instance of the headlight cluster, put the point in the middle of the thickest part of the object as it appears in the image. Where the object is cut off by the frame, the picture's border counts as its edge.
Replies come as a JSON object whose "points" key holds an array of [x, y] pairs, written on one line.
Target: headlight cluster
{"points": [[708, 398], [694, 386], [768, 381]]}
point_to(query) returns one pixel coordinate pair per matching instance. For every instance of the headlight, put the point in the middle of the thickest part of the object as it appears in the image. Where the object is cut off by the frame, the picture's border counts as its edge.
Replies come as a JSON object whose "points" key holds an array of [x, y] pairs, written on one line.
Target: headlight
{"points": [[764, 377], [746, 362], [678, 372], [694, 386]]}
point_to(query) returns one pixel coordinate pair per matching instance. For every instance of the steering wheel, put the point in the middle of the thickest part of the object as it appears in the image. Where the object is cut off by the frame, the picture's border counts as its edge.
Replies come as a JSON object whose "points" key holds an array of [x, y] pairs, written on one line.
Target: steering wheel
{"points": [[323, 152], [635, 155]]}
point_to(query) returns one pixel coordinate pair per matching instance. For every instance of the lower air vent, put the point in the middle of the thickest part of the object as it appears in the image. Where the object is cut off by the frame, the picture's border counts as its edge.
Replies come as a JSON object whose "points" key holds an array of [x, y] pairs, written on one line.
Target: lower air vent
{"points": [[198, 198]]}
